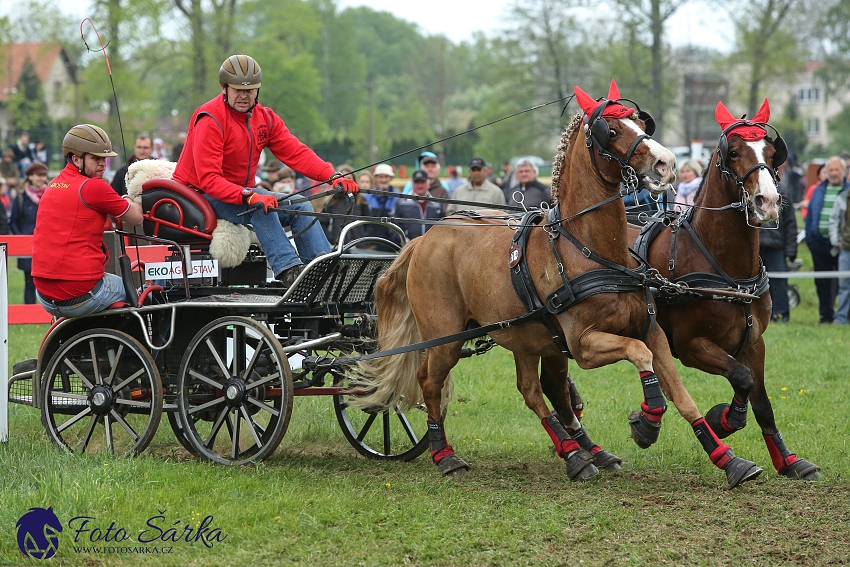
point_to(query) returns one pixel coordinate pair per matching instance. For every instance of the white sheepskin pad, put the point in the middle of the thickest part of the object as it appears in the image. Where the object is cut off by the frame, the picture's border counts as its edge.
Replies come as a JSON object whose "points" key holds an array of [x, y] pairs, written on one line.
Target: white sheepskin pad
{"points": [[145, 170], [230, 242]]}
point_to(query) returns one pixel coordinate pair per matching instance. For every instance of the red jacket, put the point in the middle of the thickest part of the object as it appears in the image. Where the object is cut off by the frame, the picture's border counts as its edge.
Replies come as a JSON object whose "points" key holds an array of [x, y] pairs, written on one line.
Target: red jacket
{"points": [[67, 243], [223, 149]]}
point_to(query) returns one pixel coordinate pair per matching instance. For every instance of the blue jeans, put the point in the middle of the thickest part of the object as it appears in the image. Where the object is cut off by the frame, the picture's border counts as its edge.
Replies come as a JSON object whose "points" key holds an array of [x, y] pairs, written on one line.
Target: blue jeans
{"points": [[111, 291], [269, 229], [842, 314]]}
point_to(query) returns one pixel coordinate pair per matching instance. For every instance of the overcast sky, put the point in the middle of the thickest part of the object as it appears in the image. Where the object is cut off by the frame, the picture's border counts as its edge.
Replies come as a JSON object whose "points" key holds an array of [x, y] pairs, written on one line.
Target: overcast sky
{"points": [[696, 23]]}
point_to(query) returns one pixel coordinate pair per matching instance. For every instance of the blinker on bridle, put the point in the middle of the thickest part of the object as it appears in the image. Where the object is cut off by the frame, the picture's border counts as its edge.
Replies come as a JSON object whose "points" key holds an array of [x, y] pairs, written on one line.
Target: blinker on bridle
{"points": [[597, 135]]}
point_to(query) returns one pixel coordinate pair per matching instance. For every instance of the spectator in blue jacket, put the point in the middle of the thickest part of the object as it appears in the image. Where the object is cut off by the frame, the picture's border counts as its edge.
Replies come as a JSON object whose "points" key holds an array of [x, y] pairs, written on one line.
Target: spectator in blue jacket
{"points": [[422, 210], [825, 259], [22, 219]]}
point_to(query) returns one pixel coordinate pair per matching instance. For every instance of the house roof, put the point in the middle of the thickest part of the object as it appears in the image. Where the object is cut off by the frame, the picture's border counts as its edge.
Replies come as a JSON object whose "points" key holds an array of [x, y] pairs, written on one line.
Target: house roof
{"points": [[42, 55]]}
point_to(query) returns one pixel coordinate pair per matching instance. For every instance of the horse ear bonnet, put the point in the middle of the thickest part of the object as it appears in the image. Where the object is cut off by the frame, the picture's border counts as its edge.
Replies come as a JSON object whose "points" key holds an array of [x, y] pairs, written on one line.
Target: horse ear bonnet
{"points": [[780, 151], [648, 121]]}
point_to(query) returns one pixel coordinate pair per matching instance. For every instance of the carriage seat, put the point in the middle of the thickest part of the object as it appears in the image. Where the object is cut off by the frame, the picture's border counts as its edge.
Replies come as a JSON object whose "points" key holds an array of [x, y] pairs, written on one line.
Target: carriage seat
{"points": [[176, 212]]}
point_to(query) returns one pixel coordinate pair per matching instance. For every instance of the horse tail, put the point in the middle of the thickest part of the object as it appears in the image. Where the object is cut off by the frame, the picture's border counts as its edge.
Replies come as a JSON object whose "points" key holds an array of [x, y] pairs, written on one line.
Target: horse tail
{"points": [[391, 380]]}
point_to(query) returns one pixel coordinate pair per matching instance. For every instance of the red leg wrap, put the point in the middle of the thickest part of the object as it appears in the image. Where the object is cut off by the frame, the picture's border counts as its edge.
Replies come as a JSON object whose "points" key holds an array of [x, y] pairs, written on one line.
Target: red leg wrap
{"points": [[440, 449], [724, 421], [718, 452], [563, 444], [780, 456], [652, 414]]}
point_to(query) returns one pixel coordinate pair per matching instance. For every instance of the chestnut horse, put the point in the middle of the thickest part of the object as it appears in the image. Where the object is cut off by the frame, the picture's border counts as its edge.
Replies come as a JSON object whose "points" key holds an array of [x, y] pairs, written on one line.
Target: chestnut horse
{"points": [[457, 275], [723, 336]]}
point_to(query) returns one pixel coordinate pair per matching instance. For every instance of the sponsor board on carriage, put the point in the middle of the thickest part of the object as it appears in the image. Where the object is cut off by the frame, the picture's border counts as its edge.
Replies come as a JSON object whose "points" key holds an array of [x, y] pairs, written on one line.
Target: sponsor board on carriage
{"points": [[174, 270]]}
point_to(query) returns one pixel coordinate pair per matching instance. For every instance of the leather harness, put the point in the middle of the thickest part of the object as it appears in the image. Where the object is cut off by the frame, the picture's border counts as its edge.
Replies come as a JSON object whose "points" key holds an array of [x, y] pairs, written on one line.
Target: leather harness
{"points": [[757, 285]]}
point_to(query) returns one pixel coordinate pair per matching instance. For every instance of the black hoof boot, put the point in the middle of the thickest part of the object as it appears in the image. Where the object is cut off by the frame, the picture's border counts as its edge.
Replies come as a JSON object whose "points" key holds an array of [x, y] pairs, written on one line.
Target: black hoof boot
{"points": [[580, 466], [802, 469], [644, 432], [607, 461], [739, 471], [452, 465], [714, 418]]}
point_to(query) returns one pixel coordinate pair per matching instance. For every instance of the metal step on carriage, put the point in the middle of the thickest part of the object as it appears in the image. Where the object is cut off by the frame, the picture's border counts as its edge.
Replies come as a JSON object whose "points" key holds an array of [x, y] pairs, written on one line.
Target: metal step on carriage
{"points": [[221, 352]]}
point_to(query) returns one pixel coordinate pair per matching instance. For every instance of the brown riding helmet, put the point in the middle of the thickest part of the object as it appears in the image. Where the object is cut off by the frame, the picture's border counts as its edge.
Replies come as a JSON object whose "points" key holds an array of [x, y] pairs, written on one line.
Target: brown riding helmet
{"points": [[87, 139], [240, 72]]}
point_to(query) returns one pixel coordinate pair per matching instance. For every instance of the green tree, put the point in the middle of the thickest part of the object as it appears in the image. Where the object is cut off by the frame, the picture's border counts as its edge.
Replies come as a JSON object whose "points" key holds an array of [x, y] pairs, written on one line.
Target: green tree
{"points": [[834, 29], [27, 106], [363, 153]]}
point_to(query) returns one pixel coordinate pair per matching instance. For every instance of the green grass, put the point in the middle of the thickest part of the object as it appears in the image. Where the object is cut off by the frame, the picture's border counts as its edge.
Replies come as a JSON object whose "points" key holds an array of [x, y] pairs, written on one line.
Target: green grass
{"points": [[317, 502]]}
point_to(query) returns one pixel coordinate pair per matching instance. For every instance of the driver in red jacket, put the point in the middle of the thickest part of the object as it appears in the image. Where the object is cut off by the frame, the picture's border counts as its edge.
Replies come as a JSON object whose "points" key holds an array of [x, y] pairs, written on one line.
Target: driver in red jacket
{"points": [[226, 137]]}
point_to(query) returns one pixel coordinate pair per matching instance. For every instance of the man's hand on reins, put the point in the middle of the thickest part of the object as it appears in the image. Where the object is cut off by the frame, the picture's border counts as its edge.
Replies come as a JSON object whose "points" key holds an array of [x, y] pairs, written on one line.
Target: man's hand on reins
{"points": [[267, 201], [343, 184]]}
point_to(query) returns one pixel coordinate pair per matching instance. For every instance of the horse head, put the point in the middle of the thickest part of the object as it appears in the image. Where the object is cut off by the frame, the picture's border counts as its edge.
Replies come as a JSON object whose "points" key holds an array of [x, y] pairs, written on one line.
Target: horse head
{"points": [[745, 149], [621, 135]]}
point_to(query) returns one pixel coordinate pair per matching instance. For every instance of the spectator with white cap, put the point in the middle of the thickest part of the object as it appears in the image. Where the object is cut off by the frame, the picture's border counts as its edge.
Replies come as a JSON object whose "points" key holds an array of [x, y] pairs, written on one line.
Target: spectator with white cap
{"points": [[381, 206]]}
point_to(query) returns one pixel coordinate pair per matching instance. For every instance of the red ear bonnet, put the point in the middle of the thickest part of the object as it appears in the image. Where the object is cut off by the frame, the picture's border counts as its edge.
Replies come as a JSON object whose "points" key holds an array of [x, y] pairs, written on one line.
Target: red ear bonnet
{"points": [[748, 129], [615, 110]]}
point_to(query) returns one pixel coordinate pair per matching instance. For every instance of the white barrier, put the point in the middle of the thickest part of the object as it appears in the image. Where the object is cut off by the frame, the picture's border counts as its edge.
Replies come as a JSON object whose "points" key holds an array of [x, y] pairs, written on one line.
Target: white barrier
{"points": [[4, 348], [816, 275]]}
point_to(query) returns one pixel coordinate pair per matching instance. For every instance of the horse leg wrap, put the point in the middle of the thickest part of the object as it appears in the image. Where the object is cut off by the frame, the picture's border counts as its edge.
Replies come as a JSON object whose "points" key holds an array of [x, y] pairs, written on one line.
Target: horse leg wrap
{"points": [[737, 470], [787, 463], [601, 458], [726, 419], [575, 398], [654, 405], [579, 462], [441, 452]]}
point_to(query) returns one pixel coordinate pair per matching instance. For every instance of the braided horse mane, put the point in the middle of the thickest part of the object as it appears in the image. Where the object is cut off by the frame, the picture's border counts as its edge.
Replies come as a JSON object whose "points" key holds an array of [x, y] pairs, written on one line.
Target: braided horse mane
{"points": [[561, 154]]}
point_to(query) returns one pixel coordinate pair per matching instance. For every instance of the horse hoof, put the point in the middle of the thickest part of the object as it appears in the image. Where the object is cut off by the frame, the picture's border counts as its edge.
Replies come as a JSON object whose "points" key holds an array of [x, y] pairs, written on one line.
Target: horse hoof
{"points": [[714, 418], [644, 432], [802, 469], [739, 471], [580, 466], [452, 465], [606, 461]]}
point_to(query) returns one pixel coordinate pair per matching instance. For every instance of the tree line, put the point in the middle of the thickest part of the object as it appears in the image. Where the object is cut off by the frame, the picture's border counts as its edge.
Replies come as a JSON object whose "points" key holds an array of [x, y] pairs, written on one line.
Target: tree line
{"points": [[360, 85]]}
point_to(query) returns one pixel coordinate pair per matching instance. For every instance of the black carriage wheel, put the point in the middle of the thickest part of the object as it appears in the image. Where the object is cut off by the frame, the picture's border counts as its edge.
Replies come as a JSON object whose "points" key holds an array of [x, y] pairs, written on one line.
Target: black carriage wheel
{"points": [[392, 434], [101, 392], [235, 391]]}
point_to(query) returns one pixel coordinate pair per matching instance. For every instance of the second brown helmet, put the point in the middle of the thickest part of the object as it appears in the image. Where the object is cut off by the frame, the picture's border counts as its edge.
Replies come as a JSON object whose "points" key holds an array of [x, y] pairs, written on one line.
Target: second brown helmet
{"points": [[240, 72]]}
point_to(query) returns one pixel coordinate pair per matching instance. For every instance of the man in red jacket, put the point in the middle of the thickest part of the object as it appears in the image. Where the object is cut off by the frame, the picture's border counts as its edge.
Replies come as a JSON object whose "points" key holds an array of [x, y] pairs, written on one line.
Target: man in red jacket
{"points": [[68, 257], [223, 146]]}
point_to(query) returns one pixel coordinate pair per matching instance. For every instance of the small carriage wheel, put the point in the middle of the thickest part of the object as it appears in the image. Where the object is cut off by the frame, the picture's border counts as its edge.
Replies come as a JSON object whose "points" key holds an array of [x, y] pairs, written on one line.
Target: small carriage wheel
{"points": [[234, 391], [390, 434], [793, 296], [102, 392], [179, 433]]}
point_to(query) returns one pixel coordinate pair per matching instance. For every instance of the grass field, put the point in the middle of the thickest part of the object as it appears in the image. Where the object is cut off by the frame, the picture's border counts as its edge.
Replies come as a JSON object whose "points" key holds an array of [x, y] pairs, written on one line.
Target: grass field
{"points": [[317, 502]]}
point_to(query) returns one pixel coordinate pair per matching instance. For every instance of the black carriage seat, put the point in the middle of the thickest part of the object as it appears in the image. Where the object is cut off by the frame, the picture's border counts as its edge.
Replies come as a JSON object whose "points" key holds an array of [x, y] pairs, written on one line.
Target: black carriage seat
{"points": [[176, 212]]}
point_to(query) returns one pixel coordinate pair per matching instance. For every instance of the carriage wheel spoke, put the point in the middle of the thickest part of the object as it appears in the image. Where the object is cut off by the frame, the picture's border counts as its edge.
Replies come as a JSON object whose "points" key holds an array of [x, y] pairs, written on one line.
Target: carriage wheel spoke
{"points": [[135, 375], [134, 403], [97, 377], [250, 423], [59, 394], [234, 447], [264, 406], [109, 441], [125, 425], [87, 437], [79, 374], [217, 357], [208, 442], [263, 382], [115, 364], [73, 420], [405, 424], [366, 426], [257, 350], [202, 378], [385, 417], [206, 405]]}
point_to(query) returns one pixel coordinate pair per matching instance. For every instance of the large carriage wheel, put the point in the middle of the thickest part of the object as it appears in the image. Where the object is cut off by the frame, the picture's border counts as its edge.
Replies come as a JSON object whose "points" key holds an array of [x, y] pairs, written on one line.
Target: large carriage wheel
{"points": [[235, 391], [391, 434], [102, 392]]}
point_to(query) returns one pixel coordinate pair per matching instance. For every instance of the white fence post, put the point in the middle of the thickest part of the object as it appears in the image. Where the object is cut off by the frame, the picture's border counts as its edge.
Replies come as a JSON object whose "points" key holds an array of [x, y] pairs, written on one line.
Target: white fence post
{"points": [[4, 348]]}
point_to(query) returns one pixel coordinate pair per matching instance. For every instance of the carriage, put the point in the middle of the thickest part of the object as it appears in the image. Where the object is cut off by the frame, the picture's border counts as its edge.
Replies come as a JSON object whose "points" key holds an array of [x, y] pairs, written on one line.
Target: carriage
{"points": [[219, 349]]}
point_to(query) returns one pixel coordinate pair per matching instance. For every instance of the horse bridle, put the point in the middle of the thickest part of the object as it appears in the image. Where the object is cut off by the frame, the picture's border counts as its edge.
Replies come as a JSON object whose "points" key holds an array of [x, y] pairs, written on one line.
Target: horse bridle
{"points": [[597, 134], [780, 154]]}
